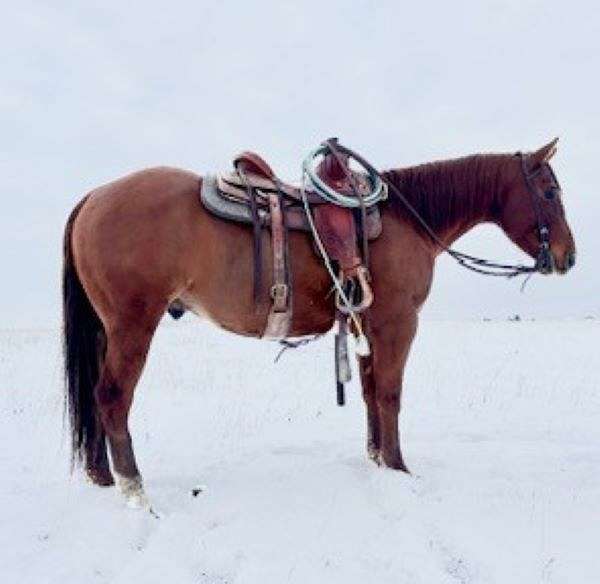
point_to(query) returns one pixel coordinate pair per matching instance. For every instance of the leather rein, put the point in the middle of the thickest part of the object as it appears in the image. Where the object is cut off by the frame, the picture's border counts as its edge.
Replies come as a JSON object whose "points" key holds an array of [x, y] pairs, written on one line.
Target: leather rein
{"points": [[544, 261]]}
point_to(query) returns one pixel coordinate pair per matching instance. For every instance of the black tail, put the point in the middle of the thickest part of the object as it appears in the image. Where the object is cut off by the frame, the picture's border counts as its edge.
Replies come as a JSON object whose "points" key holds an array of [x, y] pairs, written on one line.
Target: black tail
{"points": [[83, 341]]}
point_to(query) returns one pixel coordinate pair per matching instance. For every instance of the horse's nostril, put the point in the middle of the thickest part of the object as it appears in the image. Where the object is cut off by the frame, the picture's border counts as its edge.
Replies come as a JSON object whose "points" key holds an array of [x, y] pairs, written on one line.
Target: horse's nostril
{"points": [[571, 257]]}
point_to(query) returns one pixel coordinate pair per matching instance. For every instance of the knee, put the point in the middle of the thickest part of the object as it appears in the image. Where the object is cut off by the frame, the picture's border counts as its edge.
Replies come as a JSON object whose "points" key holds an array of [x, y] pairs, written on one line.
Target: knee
{"points": [[368, 391]]}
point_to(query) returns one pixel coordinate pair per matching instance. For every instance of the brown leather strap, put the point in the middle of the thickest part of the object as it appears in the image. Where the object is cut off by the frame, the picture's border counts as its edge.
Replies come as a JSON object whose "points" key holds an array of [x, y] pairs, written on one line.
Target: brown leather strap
{"points": [[278, 323], [279, 289], [257, 234], [344, 166]]}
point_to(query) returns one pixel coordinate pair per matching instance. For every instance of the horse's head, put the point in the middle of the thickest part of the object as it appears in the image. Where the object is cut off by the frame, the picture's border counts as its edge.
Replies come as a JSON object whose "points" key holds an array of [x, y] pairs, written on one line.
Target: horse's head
{"points": [[532, 212]]}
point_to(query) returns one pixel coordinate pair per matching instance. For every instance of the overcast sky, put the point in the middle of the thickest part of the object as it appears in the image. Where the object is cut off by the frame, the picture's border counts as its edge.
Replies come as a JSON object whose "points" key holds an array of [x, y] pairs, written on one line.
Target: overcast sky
{"points": [[91, 91]]}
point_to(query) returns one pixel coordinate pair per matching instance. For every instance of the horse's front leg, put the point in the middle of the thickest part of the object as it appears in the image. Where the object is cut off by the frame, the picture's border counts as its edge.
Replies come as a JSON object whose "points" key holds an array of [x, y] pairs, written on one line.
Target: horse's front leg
{"points": [[367, 379], [390, 342]]}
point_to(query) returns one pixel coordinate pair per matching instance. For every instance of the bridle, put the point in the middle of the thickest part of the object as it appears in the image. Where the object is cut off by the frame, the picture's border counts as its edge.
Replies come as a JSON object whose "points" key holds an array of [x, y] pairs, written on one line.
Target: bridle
{"points": [[544, 262]]}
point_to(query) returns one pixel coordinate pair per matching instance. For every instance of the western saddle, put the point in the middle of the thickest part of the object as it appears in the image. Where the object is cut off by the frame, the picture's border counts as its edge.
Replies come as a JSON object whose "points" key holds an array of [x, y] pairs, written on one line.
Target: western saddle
{"points": [[253, 194]]}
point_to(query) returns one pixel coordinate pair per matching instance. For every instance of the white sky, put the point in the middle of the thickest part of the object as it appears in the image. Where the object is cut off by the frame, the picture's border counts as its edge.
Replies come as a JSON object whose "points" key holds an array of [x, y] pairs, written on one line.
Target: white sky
{"points": [[92, 91]]}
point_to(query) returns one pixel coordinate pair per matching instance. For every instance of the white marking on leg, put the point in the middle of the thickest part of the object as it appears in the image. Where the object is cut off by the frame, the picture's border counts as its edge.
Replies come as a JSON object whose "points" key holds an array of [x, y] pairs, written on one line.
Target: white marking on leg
{"points": [[133, 489], [375, 455]]}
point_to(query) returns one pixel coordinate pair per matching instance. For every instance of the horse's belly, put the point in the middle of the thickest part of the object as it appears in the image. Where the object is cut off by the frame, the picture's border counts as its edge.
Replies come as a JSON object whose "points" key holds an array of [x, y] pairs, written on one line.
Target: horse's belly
{"points": [[221, 288]]}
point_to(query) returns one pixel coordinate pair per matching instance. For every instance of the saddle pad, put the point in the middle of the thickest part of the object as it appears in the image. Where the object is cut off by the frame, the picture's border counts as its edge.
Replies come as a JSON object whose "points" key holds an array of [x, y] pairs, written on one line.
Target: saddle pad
{"points": [[225, 206]]}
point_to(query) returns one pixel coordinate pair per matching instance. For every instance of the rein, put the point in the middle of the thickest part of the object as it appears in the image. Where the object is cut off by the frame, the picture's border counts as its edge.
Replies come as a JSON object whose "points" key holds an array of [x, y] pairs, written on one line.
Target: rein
{"points": [[480, 265], [543, 263]]}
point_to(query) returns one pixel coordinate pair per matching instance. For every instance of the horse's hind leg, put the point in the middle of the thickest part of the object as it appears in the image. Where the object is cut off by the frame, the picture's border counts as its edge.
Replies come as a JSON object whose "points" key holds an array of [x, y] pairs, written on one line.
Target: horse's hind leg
{"points": [[127, 347], [97, 465], [96, 457]]}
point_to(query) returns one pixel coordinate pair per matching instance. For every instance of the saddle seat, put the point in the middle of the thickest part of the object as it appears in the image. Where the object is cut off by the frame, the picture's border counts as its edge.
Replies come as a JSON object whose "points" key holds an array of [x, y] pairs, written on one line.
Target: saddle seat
{"points": [[259, 174], [229, 197]]}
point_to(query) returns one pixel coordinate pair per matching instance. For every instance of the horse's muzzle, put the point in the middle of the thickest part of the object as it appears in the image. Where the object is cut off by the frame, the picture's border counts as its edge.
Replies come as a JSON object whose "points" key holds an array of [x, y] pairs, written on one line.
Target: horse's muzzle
{"points": [[568, 261], [546, 263]]}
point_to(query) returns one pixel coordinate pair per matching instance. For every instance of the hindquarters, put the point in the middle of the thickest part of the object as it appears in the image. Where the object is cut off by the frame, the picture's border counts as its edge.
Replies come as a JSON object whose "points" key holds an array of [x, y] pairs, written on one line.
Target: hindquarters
{"points": [[118, 278]]}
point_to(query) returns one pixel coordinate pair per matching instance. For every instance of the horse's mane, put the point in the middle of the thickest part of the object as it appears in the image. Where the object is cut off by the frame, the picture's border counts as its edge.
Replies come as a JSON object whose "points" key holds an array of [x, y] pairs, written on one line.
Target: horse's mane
{"points": [[449, 191]]}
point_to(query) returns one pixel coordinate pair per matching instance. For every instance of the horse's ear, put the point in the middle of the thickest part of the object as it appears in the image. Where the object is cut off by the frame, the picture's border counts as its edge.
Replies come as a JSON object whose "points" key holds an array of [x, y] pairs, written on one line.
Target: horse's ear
{"points": [[545, 153]]}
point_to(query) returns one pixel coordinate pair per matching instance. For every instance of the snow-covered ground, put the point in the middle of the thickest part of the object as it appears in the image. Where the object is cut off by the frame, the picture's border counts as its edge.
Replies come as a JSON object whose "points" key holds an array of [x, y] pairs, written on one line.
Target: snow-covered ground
{"points": [[501, 428]]}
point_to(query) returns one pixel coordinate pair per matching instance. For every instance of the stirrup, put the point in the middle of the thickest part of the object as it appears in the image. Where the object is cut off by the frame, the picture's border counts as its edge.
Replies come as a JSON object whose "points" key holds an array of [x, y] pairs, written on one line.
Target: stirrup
{"points": [[366, 294]]}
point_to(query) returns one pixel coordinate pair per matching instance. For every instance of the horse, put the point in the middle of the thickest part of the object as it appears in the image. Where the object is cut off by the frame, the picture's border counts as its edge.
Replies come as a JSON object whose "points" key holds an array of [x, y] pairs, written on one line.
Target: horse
{"points": [[138, 245]]}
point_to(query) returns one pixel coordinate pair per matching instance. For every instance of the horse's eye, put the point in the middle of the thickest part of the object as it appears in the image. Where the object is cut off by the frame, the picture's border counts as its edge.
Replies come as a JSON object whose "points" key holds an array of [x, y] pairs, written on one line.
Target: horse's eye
{"points": [[550, 193]]}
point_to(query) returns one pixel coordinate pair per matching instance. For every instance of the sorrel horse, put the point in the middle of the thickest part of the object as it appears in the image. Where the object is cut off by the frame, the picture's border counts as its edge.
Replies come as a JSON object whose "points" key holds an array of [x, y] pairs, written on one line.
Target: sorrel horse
{"points": [[135, 245]]}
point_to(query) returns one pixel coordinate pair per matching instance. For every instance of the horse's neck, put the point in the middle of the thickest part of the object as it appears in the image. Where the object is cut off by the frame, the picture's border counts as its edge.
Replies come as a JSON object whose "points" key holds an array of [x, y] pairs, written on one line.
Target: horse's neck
{"points": [[452, 196]]}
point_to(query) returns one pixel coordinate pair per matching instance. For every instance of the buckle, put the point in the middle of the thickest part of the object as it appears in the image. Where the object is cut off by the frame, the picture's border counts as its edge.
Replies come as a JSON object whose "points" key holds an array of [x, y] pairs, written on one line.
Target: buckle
{"points": [[279, 292]]}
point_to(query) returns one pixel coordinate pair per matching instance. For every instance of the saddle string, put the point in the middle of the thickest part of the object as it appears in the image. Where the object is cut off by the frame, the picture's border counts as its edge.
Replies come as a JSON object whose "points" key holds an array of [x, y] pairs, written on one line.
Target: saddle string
{"points": [[289, 344]]}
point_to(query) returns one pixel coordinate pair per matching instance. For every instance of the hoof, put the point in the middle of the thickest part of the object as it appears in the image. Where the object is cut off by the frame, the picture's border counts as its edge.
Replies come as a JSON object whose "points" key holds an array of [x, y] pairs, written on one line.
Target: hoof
{"points": [[130, 485], [374, 454], [100, 476], [395, 464], [132, 489], [138, 500]]}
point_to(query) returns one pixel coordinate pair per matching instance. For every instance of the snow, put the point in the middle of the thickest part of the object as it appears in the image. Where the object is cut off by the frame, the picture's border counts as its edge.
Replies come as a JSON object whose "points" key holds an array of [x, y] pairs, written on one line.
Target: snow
{"points": [[500, 429]]}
